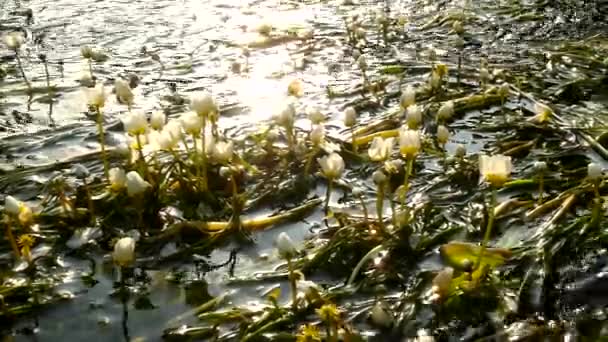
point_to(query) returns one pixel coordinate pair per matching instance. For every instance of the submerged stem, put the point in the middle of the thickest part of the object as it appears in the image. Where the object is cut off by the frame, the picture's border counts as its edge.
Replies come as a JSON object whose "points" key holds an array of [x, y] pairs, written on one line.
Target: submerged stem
{"points": [[488, 232], [13, 242], [380, 206], [541, 185], [27, 82], [204, 184], [328, 195], [140, 150], [292, 284], [406, 181], [104, 157], [353, 140], [372, 253]]}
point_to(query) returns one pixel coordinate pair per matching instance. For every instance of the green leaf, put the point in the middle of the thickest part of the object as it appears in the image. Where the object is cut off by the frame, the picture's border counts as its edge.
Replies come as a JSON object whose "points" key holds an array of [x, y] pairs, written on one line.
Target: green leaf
{"points": [[463, 255]]}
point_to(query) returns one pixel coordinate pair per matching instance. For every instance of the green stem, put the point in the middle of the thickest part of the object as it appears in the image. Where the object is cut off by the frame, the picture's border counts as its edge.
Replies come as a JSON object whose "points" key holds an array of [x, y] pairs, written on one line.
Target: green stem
{"points": [[27, 82], [372, 253], [104, 157], [90, 67], [195, 157], [48, 77], [488, 233], [541, 185], [204, 183], [392, 203], [313, 153], [364, 207], [353, 140], [406, 181], [11, 239], [380, 206], [140, 150], [293, 285], [328, 195]]}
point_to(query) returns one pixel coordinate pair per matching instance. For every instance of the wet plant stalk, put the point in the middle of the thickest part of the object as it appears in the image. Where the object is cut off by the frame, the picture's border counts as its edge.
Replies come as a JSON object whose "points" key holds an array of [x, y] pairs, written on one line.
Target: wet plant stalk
{"points": [[90, 67], [313, 153], [140, 150], [13, 242], [100, 131], [292, 284], [27, 82], [330, 185], [364, 208], [204, 184], [488, 232], [353, 139], [392, 203], [541, 186], [380, 206], [372, 253], [48, 77], [197, 169], [406, 181], [89, 197]]}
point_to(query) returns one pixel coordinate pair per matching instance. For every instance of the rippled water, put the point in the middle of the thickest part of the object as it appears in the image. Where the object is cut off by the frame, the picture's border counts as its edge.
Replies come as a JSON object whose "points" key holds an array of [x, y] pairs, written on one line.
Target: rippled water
{"points": [[198, 42]]}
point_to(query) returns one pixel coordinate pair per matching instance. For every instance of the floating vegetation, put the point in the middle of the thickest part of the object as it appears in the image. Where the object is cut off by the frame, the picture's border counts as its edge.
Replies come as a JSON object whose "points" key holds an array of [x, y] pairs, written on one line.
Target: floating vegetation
{"points": [[413, 191]]}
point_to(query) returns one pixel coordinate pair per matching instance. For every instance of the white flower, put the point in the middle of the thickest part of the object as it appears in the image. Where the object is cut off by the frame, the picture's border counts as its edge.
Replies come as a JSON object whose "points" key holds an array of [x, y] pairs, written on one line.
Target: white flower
{"points": [[413, 116], [157, 120], [446, 111], [118, 178], [380, 316], [540, 166], [14, 40], [409, 142], [192, 123], [222, 151], [457, 27], [174, 129], [350, 117], [495, 169], [360, 33], [166, 140], [96, 97], [332, 166], [379, 177], [314, 115], [85, 78], [135, 123], [594, 171], [135, 184], [362, 62], [12, 205], [86, 51], [124, 252], [442, 282], [285, 245], [203, 103], [503, 91], [285, 116], [408, 97], [380, 149], [123, 92], [460, 151], [443, 134], [317, 135], [484, 75]]}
